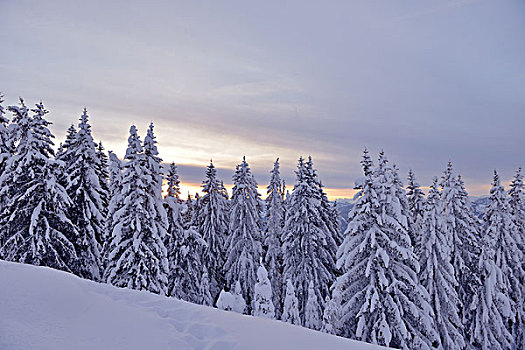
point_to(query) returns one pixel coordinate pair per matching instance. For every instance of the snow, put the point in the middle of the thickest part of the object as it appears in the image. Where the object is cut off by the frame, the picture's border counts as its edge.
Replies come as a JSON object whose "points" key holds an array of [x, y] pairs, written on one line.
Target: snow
{"points": [[44, 309]]}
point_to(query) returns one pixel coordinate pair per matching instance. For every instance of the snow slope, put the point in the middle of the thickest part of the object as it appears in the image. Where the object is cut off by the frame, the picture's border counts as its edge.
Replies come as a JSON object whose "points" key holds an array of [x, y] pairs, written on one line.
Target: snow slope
{"points": [[41, 308]]}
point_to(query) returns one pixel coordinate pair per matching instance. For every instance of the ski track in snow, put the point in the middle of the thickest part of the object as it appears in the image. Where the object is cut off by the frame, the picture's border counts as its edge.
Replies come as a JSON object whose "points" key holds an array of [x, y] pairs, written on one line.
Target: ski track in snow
{"points": [[41, 308]]}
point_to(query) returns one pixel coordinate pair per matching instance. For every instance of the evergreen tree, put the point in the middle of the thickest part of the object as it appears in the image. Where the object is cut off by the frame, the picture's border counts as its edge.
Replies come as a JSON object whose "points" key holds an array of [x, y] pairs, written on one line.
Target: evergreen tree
{"points": [[437, 272], [263, 305], [213, 226], [307, 255], [416, 202], [102, 170], [34, 225], [244, 241], [6, 146], [184, 246], [290, 306], [273, 236], [332, 311], [87, 211], [386, 305], [312, 314], [495, 320], [115, 168], [137, 259], [204, 292]]}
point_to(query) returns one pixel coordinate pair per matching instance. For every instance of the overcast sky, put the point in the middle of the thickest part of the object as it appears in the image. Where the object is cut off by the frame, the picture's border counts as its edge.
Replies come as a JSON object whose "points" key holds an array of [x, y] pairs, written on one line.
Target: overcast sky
{"points": [[427, 81]]}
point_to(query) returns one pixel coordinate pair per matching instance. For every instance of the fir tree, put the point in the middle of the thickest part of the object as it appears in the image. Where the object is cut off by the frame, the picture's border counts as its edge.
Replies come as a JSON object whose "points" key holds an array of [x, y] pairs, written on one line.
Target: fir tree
{"points": [[385, 306], [102, 170], [87, 211], [213, 226], [307, 255], [34, 225], [204, 292], [290, 306], [244, 246], [273, 236], [184, 246], [416, 202], [312, 314], [6, 146], [137, 259], [263, 305], [437, 272], [332, 311], [66, 154]]}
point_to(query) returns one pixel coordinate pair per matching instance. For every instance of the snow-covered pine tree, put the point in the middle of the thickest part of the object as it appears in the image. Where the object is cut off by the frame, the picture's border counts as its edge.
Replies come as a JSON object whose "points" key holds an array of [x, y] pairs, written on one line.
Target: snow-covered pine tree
{"points": [[306, 240], [416, 202], [204, 292], [463, 224], [213, 225], [312, 313], [34, 225], [437, 272], [503, 281], [6, 146], [66, 154], [332, 311], [184, 246], [87, 211], [517, 212], [494, 315], [290, 305], [263, 305], [384, 305], [102, 170], [138, 258], [244, 240], [273, 236], [115, 168], [232, 300]]}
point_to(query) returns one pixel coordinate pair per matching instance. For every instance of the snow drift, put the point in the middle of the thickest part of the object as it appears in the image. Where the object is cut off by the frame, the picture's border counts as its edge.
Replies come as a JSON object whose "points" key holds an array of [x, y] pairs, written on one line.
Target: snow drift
{"points": [[42, 308]]}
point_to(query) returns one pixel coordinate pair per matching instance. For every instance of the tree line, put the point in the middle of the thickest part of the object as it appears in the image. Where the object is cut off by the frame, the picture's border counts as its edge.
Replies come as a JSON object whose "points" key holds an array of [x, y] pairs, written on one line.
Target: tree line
{"points": [[410, 271]]}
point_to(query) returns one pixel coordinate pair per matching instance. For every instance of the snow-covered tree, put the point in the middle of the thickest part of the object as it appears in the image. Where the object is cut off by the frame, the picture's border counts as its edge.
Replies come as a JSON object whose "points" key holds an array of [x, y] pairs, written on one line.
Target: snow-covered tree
{"points": [[416, 202], [290, 306], [233, 300], [138, 257], [115, 168], [66, 153], [382, 301], [184, 246], [87, 211], [307, 254], [273, 236], [312, 313], [437, 272], [213, 225], [204, 292], [102, 170], [244, 241], [332, 311], [263, 305], [34, 224], [6, 146]]}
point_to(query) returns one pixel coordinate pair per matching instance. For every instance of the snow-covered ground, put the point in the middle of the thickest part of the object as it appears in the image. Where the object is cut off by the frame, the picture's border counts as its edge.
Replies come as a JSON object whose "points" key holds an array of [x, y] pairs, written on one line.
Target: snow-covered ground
{"points": [[41, 308]]}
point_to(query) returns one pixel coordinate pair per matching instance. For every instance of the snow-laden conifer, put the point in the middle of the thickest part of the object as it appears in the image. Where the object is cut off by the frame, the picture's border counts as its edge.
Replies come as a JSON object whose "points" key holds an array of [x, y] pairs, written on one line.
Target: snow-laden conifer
{"points": [[66, 152], [263, 305], [382, 302], [6, 145], [35, 228], [416, 201], [232, 300], [332, 311], [312, 313], [244, 240], [137, 258], [184, 247], [204, 292], [290, 306], [102, 170], [437, 272], [307, 254], [273, 236], [87, 211], [213, 226]]}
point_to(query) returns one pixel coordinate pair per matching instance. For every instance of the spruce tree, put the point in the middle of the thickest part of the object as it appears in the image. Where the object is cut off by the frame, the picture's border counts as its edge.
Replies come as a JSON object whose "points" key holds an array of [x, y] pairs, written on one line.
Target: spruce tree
{"points": [[416, 202], [87, 211], [244, 241], [263, 305], [313, 313], [102, 170], [290, 305], [437, 271], [138, 258], [307, 254], [34, 224], [273, 236], [213, 226], [184, 247], [6, 146], [385, 305], [332, 311]]}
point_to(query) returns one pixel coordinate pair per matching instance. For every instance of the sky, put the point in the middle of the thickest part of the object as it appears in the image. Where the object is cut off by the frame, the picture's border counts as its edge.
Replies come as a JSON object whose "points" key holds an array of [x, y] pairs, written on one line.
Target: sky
{"points": [[426, 81]]}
